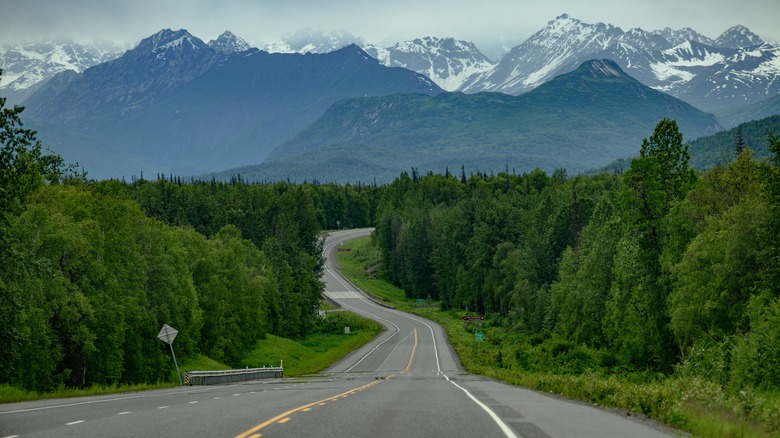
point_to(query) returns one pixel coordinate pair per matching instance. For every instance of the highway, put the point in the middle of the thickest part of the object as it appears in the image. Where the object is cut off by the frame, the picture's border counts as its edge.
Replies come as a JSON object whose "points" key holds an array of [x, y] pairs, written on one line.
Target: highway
{"points": [[405, 383]]}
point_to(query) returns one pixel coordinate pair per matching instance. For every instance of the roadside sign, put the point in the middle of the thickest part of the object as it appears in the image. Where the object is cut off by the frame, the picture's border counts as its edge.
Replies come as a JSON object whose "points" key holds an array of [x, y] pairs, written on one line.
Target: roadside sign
{"points": [[346, 330], [168, 334], [473, 317], [480, 337]]}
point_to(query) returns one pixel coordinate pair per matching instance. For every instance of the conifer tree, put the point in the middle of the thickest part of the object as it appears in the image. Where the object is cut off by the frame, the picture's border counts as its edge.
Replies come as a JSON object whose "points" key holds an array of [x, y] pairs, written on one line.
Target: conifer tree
{"points": [[739, 142]]}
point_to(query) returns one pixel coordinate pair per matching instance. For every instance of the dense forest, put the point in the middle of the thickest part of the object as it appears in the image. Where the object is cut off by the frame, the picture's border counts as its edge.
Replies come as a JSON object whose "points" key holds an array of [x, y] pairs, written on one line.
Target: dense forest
{"points": [[90, 271], [658, 269]]}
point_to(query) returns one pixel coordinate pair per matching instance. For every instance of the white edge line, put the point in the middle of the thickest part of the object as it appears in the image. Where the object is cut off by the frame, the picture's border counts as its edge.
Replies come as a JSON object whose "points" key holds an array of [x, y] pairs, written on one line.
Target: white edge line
{"points": [[105, 400], [504, 428]]}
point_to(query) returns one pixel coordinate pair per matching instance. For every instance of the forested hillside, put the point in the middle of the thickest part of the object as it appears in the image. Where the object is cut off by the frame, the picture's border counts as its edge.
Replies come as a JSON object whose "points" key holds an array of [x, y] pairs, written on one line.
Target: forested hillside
{"points": [[720, 148], [658, 269]]}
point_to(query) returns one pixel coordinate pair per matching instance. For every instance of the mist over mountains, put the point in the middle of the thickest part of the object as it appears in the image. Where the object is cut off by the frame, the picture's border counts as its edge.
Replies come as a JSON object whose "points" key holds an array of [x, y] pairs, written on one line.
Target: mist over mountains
{"points": [[175, 104]]}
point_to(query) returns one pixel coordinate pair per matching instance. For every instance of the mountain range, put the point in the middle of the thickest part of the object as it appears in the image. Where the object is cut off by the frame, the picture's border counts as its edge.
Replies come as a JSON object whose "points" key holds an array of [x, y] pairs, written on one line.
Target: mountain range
{"points": [[178, 103], [736, 68], [577, 121], [174, 104]]}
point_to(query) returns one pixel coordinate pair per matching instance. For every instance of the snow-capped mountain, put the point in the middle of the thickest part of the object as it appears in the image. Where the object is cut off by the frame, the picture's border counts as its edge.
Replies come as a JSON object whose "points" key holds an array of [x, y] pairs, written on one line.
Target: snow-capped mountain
{"points": [[228, 43], [556, 49], [314, 41], [679, 36], [26, 65], [712, 78], [735, 69], [160, 62], [446, 61], [174, 104], [737, 37]]}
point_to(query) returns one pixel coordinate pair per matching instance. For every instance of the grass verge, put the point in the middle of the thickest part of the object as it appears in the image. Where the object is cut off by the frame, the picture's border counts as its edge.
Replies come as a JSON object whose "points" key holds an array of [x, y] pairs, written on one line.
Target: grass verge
{"points": [[317, 351], [693, 405]]}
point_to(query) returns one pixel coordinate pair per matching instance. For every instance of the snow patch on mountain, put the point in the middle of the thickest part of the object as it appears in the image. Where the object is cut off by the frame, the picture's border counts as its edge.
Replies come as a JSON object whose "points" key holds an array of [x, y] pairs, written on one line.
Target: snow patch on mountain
{"points": [[446, 61], [26, 65]]}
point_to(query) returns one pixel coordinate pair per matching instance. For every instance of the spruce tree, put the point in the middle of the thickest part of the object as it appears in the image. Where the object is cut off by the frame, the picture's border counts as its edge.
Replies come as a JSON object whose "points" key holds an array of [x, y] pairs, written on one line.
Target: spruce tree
{"points": [[739, 142]]}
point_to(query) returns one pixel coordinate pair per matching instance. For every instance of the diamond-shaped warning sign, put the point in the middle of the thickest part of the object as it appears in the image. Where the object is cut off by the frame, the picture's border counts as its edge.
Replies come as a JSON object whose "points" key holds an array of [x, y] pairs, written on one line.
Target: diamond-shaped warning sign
{"points": [[168, 334]]}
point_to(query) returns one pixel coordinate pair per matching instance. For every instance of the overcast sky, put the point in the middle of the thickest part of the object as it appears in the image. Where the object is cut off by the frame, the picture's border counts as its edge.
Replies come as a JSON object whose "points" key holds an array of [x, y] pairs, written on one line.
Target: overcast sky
{"points": [[490, 24]]}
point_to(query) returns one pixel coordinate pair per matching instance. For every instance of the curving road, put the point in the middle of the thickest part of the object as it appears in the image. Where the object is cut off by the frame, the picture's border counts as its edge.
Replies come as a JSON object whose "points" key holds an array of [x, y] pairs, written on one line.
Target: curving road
{"points": [[406, 383]]}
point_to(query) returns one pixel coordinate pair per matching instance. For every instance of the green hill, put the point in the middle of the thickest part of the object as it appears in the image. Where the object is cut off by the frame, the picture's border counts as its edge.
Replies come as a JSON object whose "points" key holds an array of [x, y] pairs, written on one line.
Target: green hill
{"points": [[720, 148], [579, 120]]}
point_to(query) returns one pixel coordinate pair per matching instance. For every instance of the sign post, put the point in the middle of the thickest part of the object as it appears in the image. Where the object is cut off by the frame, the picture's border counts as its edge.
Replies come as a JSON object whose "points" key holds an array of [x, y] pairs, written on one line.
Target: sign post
{"points": [[480, 337], [167, 335]]}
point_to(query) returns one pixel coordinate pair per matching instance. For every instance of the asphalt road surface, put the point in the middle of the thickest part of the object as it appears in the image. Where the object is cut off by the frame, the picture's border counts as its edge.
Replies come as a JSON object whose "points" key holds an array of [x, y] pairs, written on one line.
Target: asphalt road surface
{"points": [[405, 383]]}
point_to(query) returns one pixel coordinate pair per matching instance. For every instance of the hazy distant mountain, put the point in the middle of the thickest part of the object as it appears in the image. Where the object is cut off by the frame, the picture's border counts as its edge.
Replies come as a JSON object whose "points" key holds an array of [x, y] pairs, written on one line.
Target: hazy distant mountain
{"points": [[446, 61], [314, 41], [27, 65], [228, 43], [755, 111], [579, 120], [735, 69], [179, 104]]}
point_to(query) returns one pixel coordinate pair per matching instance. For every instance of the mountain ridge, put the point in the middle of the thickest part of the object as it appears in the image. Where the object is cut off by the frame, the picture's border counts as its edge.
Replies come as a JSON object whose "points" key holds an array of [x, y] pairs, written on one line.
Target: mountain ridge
{"points": [[577, 121], [721, 76], [178, 103]]}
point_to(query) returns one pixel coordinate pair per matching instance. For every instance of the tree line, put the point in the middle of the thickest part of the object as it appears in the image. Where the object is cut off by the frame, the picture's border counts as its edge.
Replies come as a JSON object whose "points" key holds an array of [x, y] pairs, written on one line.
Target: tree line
{"points": [[658, 268]]}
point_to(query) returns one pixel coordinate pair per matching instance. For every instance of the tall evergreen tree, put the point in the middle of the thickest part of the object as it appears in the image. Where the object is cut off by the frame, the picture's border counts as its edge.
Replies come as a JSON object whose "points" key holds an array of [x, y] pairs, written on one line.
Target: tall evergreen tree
{"points": [[739, 142]]}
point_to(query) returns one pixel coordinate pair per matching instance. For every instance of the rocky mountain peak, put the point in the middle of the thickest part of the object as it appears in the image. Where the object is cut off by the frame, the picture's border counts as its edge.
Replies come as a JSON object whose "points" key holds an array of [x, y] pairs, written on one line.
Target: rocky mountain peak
{"points": [[738, 37], [679, 36], [228, 43], [167, 42]]}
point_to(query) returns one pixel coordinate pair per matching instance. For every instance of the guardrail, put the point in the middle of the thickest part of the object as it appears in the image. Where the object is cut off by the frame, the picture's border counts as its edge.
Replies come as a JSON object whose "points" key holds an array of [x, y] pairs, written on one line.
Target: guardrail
{"points": [[230, 376]]}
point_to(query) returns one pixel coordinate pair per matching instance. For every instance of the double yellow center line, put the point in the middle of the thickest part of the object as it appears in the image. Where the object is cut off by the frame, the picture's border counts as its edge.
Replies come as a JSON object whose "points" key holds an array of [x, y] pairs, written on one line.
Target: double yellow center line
{"points": [[285, 417]]}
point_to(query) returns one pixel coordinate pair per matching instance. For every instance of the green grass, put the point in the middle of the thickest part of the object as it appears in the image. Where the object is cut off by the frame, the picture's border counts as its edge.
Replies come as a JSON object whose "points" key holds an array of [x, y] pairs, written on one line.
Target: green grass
{"points": [[692, 405], [316, 352], [202, 363]]}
